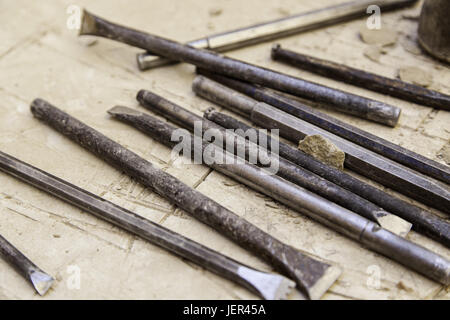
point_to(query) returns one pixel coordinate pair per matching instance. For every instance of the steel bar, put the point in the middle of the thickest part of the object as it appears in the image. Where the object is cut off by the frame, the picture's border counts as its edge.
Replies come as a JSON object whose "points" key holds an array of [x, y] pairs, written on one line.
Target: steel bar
{"points": [[285, 169], [343, 101], [363, 79], [266, 285], [423, 221], [363, 138], [358, 159], [324, 211], [284, 27], [311, 276], [40, 280]]}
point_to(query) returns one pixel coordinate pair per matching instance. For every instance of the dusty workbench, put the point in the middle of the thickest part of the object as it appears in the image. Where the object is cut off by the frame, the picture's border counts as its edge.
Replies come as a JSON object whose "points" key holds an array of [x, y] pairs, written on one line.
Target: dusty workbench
{"points": [[41, 57]]}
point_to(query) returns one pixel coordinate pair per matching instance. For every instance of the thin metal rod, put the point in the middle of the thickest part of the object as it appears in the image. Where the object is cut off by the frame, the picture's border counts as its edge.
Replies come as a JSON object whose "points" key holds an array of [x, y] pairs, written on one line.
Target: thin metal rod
{"points": [[40, 280], [358, 159], [285, 169], [343, 101], [324, 211], [279, 28], [266, 285], [363, 79], [423, 221], [311, 276]]}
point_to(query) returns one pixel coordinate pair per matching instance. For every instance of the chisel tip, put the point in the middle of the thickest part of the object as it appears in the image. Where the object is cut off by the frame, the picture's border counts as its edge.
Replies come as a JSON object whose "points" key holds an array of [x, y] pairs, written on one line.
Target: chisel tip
{"points": [[119, 110], [268, 285], [41, 281], [321, 285], [88, 23]]}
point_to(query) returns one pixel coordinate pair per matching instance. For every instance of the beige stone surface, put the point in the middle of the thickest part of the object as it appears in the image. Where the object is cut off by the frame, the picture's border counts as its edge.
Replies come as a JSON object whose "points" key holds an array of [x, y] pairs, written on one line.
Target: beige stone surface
{"points": [[41, 57]]}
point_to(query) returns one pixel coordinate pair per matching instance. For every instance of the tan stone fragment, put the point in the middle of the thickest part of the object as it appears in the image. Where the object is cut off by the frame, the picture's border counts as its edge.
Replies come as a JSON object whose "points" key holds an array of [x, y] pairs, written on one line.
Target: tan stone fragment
{"points": [[382, 37], [323, 150], [416, 76]]}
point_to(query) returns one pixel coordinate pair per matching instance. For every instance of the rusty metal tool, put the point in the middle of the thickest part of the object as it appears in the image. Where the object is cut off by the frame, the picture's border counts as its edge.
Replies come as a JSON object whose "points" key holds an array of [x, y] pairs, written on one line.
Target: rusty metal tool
{"points": [[266, 285], [312, 277], [434, 29], [284, 27], [40, 280], [335, 217], [285, 169], [358, 158], [423, 221], [343, 101], [364, 79]]}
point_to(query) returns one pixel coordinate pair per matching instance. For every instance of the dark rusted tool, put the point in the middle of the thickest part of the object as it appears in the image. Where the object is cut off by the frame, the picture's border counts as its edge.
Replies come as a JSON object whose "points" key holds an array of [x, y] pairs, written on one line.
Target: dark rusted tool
{"points": [[363, 79], [324, 211], [434, 29], [344, 101], [266, 285], [40, 280], [311, 276], [423, 221], [358, 159], [267, 31], [285, 169]]}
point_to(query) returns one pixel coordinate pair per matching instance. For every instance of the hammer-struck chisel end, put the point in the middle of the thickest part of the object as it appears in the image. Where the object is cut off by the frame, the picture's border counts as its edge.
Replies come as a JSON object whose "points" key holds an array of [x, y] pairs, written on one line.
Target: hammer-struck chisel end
{"points": [[41, 281]]}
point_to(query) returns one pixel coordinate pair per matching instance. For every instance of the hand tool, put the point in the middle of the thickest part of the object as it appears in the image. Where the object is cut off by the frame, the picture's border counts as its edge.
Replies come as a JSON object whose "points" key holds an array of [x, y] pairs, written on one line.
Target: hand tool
{"points": [[358, 159], [346, 102], [266, 285], [297, 198], [285, 169], [284, 27], [311, 276], [40, 280], [422, 220], [364, 79], [434, 29]]}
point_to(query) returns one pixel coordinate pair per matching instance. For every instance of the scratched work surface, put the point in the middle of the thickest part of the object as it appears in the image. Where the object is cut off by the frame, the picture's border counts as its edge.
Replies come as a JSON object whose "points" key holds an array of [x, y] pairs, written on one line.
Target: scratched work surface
{"points": [[41, 57]]}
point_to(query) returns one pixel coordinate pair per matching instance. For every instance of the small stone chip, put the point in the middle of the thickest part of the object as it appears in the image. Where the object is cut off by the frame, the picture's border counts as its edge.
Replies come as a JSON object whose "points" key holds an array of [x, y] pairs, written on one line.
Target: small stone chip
{"points": [[404, 287], [214, 12], [416, 76], [382, 37], [374, 53], [323, 150]]}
